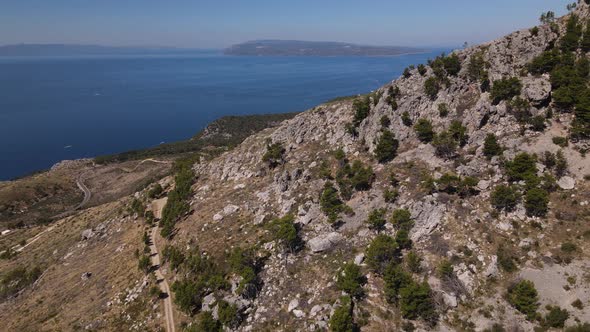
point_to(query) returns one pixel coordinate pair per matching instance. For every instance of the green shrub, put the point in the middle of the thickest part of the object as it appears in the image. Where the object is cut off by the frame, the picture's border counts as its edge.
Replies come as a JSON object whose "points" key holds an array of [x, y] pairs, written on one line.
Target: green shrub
{"points": [[505, 89], [534, 31], [243, 263], [376, 219], [330, 202], [571, 40], [285, 232], [406, 120], [476, 69], [445, 145], [431, 87], [413, 262], [354, 177], [544, 63], [424, 130], [523, 296], [560, 164], [538, 123], [536, 202], [274, 155], [387, 146], [443, 110], [442, 66], [506, 259], [522, 166], [407, 73], [568, 247], [491, 147], [385, 121], [351, 280], [556, 317], [380, 252], [421, 69], [390, 196], [395, 278], [416, 302], [361, 107], [578, 304], [402, 219], [206, 323], [402, 238], [579, 328], [560, 141], [342, 319], [174, 256], [445, 269], [145, 263], [155, 191], [188, 295], [228, 314], [177, 204], [505, 198]]}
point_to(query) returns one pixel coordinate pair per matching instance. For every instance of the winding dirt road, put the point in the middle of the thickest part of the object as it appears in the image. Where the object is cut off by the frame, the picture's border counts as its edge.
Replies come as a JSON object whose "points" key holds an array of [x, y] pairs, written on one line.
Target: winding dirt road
{"points": [[164, 288]]}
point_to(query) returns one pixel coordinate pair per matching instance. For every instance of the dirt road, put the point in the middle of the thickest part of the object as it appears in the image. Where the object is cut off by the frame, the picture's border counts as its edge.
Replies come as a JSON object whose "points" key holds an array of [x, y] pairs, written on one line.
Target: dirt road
{"points": [[164, 288]]}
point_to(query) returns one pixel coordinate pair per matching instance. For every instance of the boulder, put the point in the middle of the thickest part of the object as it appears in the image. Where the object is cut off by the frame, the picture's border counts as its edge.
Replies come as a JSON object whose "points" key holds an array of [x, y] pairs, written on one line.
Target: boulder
{"points": [[566, 183], [450, 300], [537, 89], [483, 185], [324, 242], [87, 234]]}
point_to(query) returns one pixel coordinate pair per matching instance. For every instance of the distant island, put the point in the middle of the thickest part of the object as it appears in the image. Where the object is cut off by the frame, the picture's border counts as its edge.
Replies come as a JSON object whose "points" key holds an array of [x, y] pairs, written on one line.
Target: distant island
{"points": [[75, 49], [313, 48]]}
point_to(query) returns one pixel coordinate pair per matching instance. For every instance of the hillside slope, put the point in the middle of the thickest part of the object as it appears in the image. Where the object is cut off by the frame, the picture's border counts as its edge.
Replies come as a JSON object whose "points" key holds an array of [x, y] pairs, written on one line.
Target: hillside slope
{"points": [[453, 198]]}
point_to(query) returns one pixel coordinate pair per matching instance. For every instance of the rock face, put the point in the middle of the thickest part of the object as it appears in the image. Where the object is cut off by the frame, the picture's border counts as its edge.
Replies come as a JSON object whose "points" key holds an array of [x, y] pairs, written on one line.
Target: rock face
{"points": [[452, 221]]}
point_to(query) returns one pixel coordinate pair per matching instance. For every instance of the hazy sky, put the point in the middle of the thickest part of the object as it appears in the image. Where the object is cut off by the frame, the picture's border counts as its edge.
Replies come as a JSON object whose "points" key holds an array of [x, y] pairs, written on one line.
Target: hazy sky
{"points": [[219, 23]]}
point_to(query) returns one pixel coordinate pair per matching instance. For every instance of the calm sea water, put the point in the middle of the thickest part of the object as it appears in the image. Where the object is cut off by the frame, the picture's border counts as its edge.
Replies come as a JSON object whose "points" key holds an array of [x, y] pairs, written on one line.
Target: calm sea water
{"points": [[66, 108]]}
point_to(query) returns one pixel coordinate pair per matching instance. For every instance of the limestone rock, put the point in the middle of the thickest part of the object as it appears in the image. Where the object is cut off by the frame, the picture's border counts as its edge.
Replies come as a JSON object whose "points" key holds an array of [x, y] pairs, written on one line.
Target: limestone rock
{"points": [[293, 305], [537, 89], [566, 183], [324, 242]]}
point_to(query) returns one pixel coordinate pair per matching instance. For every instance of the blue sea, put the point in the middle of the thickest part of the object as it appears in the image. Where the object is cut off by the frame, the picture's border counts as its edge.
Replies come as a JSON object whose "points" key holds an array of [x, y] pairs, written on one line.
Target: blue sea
{"points": [[56, 108]]}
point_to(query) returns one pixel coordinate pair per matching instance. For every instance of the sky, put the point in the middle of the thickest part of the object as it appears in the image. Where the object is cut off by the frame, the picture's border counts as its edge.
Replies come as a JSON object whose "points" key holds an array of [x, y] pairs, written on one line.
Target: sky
{"points": [[220, 23]]}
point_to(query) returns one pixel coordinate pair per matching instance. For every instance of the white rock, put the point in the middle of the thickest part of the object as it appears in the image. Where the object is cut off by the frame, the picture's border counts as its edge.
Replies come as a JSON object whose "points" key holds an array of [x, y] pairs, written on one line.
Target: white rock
{"points": [[358, 259], [293, 305], [315, 309], [298, 313], [217, 217], [483, 185], [324, 242], [566, 183], [450, 300], [492, 269], [230, 209]]}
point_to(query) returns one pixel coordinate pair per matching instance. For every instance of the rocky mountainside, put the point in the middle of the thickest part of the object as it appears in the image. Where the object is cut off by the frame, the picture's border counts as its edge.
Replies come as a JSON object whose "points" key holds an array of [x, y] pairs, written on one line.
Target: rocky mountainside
{"points": [[453, 198]]}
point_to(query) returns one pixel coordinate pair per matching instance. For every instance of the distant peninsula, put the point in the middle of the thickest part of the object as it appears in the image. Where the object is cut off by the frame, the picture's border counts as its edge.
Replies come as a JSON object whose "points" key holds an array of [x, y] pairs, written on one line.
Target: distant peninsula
{"points": [[314, 48], [77, 50]]}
